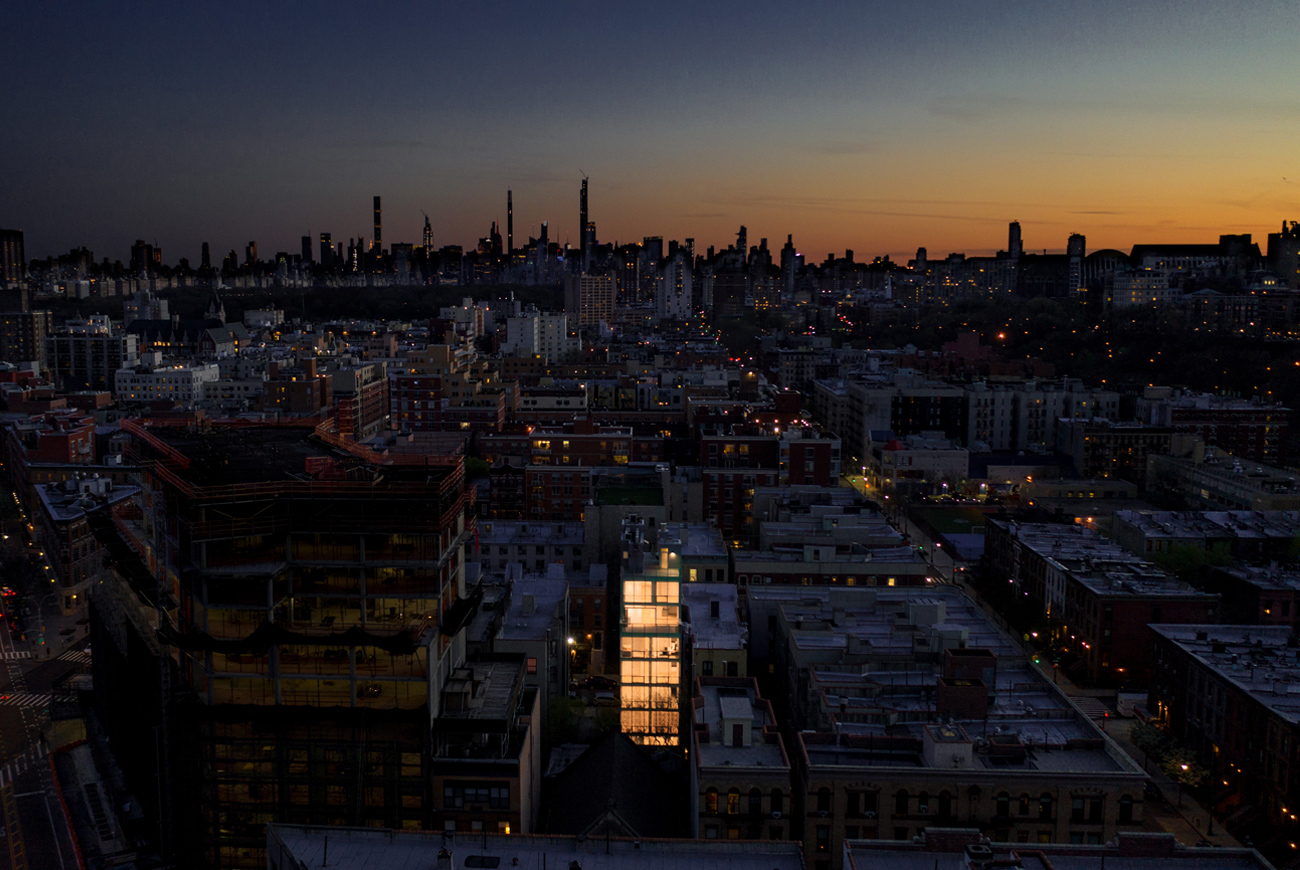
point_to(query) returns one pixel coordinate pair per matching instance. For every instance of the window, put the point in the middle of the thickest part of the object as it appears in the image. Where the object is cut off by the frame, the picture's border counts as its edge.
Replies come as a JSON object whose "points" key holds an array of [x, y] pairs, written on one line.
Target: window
{"points": [[1096, 810], [777, 800], [733, 802], [900, 803], [1003, 805], [711, 800], [1045, 807], [1076, 810], [532, 665], [923, 802], [1126, 810], [823, 800], [823, 838], [706, 668], [1024, 805], [755, 802]]}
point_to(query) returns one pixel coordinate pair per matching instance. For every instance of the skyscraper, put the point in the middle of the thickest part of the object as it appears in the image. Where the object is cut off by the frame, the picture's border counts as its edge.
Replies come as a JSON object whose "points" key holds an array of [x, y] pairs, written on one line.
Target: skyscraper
{"points": [[582, 224], [326, 250], [428, 235], [250, 253], [1076, 248], [1014, 246], [306, 249], [13, 260], [379, 230], [788, 255], [510, 222], [205, 258]]}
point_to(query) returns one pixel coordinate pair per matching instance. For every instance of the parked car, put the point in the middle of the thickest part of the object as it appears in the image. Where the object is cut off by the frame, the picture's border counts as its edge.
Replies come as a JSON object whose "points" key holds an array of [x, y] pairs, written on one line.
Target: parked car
{"points": [[600, 684], [605, 699]]}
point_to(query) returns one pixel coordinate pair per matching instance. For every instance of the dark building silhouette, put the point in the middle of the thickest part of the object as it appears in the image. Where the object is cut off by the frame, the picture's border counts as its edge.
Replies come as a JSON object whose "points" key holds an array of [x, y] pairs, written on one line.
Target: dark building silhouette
{"points": [[281, 653], [13, 262]]}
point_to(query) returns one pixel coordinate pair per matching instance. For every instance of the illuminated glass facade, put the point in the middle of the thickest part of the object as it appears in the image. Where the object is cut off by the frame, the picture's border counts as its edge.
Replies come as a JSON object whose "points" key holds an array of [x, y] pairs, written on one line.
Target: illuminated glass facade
{"points": [[651, 671]]}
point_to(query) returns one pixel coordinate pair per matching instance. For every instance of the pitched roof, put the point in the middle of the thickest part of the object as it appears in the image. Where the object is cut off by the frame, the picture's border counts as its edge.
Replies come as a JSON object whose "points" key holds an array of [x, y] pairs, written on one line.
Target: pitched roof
{"points": [[615, 782]]}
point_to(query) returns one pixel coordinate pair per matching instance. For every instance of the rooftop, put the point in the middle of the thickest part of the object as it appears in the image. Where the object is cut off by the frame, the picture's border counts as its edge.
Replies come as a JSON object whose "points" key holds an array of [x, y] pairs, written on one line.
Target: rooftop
{"points": [[720, 705], [723, 631], [892, 623], [534, 602], [382, 849], [944, 849], [1030, 726], [1261, 660]]}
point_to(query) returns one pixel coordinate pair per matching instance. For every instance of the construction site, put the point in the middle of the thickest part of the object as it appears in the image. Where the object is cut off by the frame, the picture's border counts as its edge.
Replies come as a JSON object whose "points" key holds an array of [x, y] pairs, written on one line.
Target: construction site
{"points": [[276, 623]]}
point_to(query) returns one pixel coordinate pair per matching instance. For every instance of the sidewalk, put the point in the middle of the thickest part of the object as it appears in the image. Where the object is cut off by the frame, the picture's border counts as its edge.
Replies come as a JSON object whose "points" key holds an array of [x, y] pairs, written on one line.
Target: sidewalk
{"points": [[1189, 823]]}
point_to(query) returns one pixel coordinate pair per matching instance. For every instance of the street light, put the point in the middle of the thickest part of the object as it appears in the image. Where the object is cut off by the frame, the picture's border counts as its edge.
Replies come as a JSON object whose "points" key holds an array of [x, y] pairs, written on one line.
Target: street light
{"points": [[1180, 786]]}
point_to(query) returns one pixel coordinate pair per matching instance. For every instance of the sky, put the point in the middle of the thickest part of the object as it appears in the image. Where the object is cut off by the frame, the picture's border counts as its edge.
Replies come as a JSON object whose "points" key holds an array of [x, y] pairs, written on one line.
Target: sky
{"points": [[869, 125]]}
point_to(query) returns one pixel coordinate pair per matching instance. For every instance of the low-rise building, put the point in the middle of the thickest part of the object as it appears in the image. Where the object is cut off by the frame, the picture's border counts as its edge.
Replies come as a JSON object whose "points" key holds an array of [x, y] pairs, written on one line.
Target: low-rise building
{"points": [[486, 752], [292, 846], [740, 772], [1257, 595], [1212, 480], [969, 849], [914, 711], [1251, 536], [716, 635], [1232, 694], [1096, 596], [534, 545], [178, 384]]}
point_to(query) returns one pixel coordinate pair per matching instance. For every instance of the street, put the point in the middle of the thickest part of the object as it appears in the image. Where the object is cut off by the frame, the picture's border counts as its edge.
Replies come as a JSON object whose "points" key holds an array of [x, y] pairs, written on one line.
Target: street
{"points": [[36, 834]]}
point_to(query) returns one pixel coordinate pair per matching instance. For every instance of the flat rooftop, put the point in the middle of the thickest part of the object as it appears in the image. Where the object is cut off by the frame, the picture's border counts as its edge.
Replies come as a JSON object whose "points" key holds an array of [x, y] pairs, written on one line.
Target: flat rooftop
{"points": [[886, 628], [1258, 659], [1029, 716], [498, 532], [1145, 851], [721, 632], [382, 849], [730, 702], [533, 603]]}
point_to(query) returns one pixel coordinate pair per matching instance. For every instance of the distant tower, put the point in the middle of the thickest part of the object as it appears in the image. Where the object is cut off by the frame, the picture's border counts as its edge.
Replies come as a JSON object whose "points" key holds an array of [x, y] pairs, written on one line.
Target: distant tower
{"points": [[1014, 246], [250, 253], [379, 229], [306, 249], [690, 250], [326, 250], [788, 255], [920, 264], [205, 259], [13, 262], [510, 221], [428, 235], [742, 244], [582, 223], [1076, 248]]}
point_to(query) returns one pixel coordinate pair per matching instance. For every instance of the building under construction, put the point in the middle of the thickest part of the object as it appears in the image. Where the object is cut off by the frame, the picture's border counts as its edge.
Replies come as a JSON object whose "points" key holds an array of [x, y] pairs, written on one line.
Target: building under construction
{"points": [[275, 632]]}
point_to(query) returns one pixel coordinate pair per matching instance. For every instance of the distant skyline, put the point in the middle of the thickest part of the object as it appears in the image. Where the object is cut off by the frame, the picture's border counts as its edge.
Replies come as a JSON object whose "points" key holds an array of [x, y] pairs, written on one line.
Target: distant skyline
{"points": [[875, 126]]}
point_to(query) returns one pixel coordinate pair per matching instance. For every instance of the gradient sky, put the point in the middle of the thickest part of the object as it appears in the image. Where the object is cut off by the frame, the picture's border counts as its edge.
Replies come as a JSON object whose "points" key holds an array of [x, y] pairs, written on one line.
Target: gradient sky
{"points": [[876, 126]]}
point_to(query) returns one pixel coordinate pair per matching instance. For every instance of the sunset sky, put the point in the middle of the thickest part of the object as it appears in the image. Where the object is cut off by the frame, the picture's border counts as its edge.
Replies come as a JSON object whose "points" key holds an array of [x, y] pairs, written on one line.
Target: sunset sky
{"points": [[876, 126]]}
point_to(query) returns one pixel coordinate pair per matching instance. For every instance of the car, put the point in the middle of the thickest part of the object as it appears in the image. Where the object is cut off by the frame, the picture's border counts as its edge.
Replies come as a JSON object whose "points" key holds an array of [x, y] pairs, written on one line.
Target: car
{"points": [[605, 699], [600, 684]]}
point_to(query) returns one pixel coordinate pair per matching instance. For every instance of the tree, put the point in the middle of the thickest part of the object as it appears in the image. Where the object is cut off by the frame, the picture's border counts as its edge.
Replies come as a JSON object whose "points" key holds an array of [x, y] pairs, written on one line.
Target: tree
{"points": [[1153, 740], [1182, 768]]}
